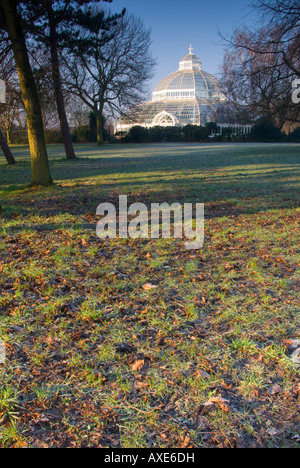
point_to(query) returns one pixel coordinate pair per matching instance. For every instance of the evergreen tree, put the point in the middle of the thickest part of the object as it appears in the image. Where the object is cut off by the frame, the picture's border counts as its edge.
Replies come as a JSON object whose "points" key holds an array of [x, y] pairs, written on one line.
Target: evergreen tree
{"points": [[11, 22]]}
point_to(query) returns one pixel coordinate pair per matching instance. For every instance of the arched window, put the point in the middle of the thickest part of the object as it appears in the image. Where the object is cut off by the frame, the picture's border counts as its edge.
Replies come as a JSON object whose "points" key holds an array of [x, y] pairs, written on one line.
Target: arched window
{"points": [[164, 119]]}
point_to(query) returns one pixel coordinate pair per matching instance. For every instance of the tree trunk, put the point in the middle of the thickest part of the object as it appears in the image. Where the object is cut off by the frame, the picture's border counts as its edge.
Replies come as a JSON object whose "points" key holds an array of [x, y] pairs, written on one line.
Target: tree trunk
{"points": [[8, 136], [6, 150], [39, 158], [65, 129], [99, 120]]}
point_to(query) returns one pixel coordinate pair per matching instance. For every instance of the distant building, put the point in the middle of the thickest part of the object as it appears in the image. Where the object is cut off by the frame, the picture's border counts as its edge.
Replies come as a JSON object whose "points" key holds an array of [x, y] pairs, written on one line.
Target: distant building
{"points": [[188, 96]]}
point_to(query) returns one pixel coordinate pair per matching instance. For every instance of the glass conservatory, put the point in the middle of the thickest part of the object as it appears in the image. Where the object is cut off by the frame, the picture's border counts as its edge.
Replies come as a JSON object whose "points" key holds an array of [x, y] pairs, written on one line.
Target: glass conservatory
{"points": [[188, 96]]}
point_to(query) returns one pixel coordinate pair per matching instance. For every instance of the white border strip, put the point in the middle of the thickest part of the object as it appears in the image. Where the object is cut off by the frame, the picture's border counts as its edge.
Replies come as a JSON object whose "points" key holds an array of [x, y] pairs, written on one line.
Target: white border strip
{"points": [[2, 352]]}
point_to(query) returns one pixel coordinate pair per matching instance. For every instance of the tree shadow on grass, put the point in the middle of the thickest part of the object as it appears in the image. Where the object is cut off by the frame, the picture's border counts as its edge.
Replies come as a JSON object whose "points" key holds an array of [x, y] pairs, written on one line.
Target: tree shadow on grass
{"points": [[235, 180], [119, 160]]}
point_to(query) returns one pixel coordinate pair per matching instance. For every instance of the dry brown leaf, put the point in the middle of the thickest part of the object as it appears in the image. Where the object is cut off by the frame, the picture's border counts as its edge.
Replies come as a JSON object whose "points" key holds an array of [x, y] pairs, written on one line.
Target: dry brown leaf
{"points": [[141, 384], [138, 365], [221, 402], [224, 407], [185, 442], [218, 400], [275, 389], [149, 287], [201, 374]]}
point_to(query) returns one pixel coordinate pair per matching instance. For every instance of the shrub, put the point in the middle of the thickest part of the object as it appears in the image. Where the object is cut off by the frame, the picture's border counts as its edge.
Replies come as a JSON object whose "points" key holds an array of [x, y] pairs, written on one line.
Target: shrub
{"points": [[53, 136], [19, 137], [83, 134], [138, 134], [265, 131], [295, 136]]}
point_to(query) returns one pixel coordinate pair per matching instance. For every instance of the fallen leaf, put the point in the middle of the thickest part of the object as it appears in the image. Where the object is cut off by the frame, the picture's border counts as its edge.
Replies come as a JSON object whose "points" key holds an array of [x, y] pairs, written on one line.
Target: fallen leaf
{"points": [[221, 402], [141, 384], [218, 400], [138, 365], [224, 407], [149, 286], [275, 390], [201, 374], [185, 442]]}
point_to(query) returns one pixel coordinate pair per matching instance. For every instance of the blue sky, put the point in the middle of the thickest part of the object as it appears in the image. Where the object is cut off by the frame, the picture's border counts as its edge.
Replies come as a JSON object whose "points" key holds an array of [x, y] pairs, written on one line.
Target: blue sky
{"points": [[177, 24]]}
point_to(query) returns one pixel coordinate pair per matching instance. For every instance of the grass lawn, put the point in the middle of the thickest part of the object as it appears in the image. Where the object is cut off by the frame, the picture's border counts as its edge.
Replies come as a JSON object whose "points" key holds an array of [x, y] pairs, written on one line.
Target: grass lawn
{"points": [[202, 360]]}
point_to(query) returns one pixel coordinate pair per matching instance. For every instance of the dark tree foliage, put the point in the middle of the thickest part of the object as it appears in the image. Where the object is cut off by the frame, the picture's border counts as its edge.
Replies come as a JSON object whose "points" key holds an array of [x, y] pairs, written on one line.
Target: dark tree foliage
{"points": [[69, 18], [265, 131], [294, 137], [189, 133], [57, 26]]}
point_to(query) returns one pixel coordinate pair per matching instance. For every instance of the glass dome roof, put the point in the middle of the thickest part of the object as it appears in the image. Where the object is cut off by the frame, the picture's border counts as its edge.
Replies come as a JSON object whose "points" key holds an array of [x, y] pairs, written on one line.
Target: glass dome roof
{"points": [[189, 82], [188, 96]]}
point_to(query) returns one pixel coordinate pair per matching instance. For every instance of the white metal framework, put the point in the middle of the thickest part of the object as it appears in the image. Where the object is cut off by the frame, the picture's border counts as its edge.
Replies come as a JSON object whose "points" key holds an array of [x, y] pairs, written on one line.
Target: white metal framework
{"points": [[188, 96], [164, 119]]}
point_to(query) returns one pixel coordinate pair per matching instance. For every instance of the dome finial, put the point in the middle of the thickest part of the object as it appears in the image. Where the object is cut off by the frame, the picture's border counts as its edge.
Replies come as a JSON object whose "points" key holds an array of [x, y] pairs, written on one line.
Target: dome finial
{"points": [[191, 49]]}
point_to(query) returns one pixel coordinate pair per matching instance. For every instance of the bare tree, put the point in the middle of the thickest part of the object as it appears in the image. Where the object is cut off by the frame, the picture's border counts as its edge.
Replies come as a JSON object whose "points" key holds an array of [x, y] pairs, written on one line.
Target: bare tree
{"points": [[80, 113], [259, 82], [283, 18], [112, 77], [261, 65], [10, 111]]}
